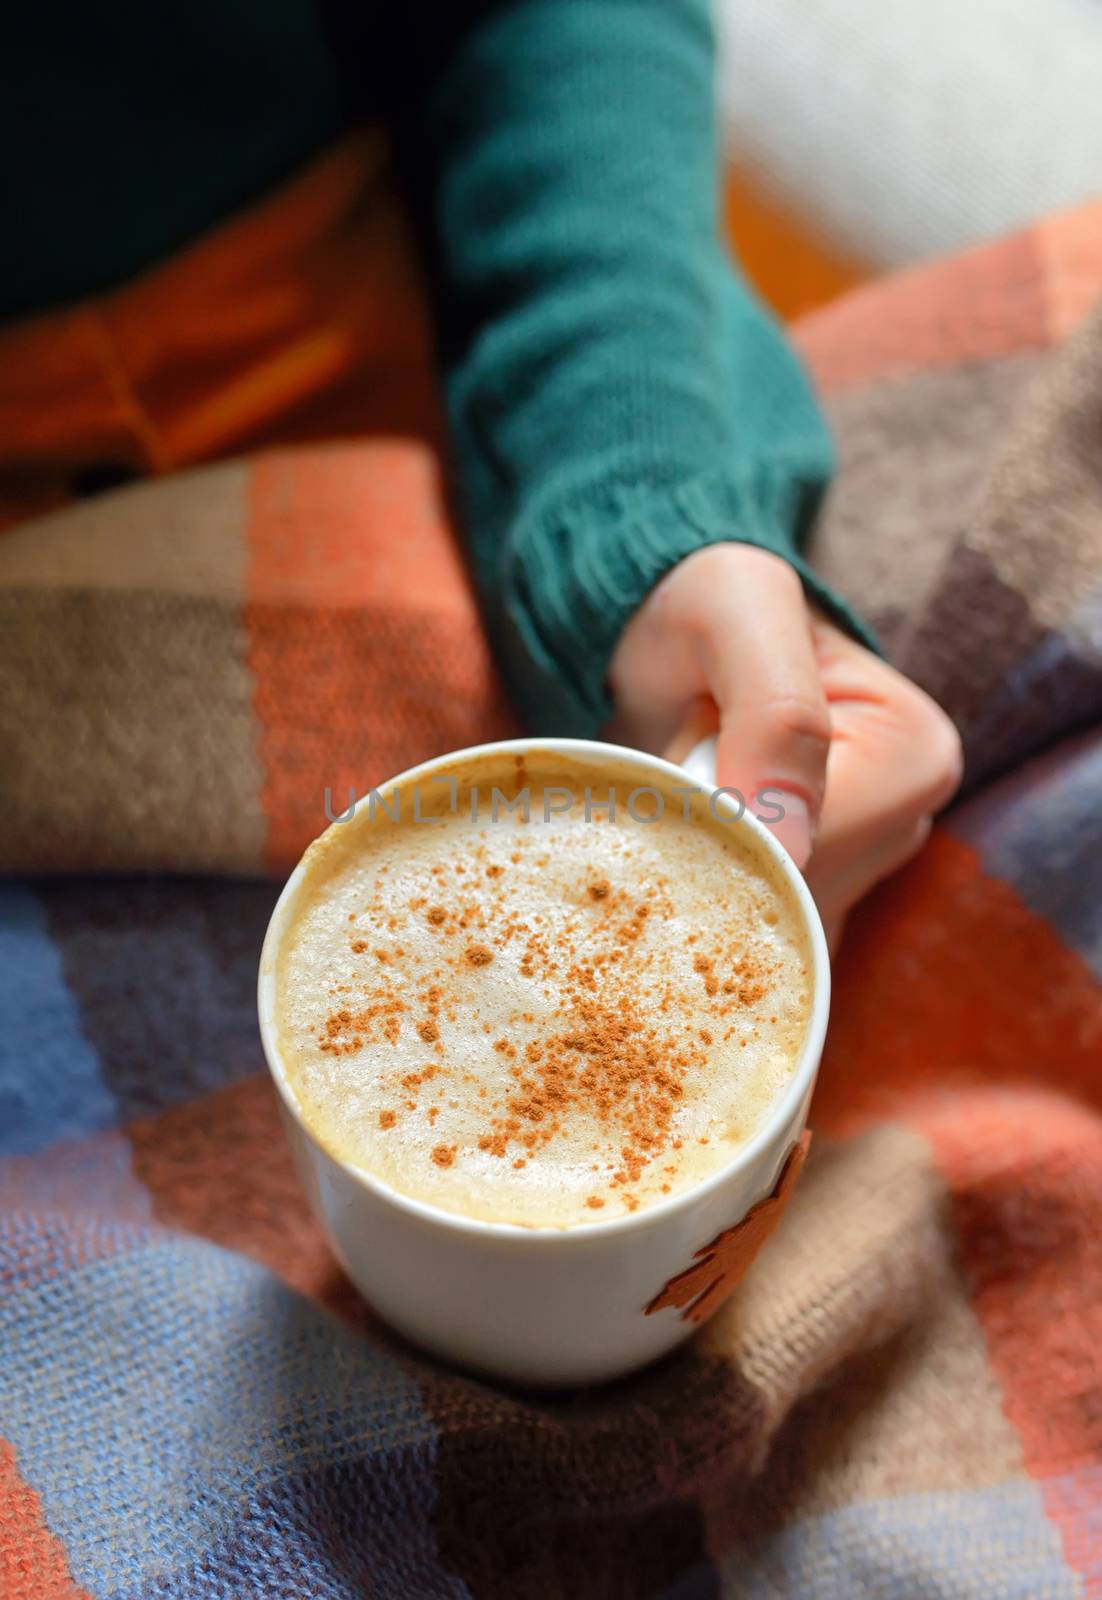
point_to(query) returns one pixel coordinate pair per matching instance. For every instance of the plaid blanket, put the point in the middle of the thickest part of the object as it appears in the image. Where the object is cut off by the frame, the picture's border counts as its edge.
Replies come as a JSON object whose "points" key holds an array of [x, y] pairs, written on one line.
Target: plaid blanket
{"points": [[905, 1395]]}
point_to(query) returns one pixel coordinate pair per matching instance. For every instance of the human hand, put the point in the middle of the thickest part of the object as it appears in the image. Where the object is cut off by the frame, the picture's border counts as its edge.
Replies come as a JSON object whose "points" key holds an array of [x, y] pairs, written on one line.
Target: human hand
{"points": [[863, 757]]}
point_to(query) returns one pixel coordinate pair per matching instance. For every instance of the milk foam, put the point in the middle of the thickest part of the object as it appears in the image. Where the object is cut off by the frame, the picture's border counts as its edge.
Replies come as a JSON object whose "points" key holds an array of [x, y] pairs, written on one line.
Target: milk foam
{"points": [[548, 1022]]}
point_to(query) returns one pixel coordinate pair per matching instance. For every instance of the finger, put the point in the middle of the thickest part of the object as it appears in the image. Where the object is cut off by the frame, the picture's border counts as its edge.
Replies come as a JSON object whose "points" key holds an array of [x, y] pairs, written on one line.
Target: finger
{"points": [[894, 758], [774, 731], [837, 889], [833, 929]]}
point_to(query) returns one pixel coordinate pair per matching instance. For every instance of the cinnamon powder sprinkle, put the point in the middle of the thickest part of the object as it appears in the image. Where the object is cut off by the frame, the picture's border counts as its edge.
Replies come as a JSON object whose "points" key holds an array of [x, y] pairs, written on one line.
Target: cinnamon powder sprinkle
{"points": [[414, 1080], [615, 1053], [607, 1062], [705, 966], [345, 1030]]}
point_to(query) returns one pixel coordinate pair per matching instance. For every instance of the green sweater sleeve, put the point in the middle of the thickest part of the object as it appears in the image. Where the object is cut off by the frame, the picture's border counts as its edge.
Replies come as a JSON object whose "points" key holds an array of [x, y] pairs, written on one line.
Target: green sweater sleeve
{"points": [[617, 397]]}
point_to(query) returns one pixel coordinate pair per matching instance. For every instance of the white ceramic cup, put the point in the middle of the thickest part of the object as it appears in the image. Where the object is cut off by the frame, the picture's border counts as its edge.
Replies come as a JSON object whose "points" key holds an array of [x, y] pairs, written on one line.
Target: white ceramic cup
{"points": [[541, 1306]]}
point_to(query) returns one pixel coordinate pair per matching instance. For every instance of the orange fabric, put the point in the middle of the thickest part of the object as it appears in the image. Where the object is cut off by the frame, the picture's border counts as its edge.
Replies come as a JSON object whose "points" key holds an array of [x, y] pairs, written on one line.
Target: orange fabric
{"points": [[1004, 1092], [991, 947], [787, 262], [257, 1207], [260, 332], [359, 609], [885, 330], [32, 1562], [302, 320]]}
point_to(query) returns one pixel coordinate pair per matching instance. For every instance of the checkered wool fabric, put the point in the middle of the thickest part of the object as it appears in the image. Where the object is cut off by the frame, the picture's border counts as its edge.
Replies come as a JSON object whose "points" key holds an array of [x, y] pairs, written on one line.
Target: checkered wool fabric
{"points": [[905, 1395]]}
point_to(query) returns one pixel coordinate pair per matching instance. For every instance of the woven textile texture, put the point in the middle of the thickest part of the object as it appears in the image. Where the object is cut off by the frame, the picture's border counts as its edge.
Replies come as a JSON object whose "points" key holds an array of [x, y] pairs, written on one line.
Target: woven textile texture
{"points": [[904, 1397], [973, 119]]}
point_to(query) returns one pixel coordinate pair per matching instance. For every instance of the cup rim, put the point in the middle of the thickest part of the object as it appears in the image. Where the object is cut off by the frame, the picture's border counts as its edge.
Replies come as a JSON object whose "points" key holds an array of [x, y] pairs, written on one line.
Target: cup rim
{"points": [[800, 1083]]}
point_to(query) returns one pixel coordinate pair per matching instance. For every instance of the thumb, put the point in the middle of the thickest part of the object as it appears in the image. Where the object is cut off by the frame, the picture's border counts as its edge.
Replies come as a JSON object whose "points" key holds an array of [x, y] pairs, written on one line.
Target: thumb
{"points": [[774, 723]]}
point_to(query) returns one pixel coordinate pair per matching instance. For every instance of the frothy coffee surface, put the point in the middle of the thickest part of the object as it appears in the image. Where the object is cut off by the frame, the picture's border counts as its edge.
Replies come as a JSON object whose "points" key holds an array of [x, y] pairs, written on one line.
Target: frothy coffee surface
{"points": [[548, 1022]]}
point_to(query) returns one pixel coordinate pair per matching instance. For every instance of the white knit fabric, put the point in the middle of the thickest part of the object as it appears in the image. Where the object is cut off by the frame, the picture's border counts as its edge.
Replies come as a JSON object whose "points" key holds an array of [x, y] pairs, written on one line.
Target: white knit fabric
{"points": [[902, 128]]}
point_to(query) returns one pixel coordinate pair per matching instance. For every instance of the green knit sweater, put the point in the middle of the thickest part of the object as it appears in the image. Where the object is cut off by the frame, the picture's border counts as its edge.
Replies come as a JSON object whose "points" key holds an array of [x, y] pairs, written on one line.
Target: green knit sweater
{"points": [[617, 397]]}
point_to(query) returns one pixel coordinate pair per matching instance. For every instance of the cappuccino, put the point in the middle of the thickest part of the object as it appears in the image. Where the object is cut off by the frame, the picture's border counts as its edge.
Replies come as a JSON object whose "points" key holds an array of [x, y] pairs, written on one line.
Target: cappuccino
{"points": [[529, 990]]}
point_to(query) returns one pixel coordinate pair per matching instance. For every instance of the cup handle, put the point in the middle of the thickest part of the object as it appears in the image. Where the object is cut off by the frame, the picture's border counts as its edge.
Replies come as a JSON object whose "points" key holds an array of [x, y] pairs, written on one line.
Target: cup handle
{"points": [[700, 763]]}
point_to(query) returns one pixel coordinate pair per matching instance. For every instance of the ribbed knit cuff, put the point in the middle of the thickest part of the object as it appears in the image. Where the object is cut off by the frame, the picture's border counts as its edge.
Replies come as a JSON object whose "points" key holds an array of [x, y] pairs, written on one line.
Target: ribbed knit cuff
{"points": [[577, 574]]}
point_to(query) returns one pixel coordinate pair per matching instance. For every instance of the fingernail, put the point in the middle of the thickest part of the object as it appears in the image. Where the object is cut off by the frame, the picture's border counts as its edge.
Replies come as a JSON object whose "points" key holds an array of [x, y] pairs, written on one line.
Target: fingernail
{"points": [[793, 830]]}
